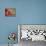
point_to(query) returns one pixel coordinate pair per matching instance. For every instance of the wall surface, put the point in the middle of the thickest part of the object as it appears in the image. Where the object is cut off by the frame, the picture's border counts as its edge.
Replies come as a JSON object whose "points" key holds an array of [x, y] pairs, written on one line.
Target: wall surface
{"points": [[27, 12]]}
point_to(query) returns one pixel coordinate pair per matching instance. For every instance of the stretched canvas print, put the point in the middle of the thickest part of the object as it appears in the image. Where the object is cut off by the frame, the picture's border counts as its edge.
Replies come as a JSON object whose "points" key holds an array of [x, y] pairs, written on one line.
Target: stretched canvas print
{"points": [[10, 12]]}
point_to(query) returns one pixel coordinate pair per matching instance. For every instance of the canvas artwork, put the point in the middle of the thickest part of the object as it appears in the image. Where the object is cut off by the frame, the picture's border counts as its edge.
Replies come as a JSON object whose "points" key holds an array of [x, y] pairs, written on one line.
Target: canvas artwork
{"points": [[10, 11]]}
